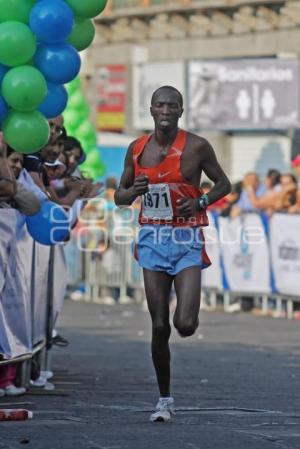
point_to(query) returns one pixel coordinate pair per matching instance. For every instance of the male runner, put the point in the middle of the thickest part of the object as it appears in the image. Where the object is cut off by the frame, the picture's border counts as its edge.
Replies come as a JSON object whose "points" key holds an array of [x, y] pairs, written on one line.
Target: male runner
{"points": [[165, 169]]}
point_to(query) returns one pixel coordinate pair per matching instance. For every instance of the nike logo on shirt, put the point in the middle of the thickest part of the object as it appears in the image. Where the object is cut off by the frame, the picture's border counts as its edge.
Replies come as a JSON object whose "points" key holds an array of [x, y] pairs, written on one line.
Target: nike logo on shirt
{"points": [[163, 175]]}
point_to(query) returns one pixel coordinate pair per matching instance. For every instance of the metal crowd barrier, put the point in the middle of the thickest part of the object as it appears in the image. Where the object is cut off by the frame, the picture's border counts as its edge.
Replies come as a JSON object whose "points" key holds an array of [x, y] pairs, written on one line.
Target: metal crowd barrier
{"points": [[109, 265], [30, 267]]}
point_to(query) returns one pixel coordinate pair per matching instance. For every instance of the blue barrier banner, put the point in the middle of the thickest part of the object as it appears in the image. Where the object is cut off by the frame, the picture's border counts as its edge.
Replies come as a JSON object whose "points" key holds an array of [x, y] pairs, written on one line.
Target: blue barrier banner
{"points": [[285, 252], [245, 254]]}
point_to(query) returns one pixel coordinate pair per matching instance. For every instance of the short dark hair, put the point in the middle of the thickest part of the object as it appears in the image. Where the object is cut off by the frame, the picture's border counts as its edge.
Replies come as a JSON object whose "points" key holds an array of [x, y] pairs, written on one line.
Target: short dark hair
{"points": [[274, 176], [111, 183], [206, 185], [69, 143], [170, 88], [10, 151]]}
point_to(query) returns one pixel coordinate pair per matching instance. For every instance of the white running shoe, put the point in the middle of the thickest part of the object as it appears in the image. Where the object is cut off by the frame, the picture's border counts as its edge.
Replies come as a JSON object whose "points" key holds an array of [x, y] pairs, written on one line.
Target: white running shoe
{"points": [[47, 374], [39, 383], [12, 390], [164, 409]]}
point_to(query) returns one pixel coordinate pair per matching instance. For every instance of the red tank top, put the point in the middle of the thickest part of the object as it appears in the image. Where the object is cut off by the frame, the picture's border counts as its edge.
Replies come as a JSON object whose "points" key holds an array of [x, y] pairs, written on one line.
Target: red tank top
{"points": [[166, 186]]}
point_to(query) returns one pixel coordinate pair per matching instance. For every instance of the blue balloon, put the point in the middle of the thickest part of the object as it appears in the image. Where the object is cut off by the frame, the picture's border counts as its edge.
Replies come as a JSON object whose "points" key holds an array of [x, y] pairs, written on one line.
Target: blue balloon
{"points": [[3, 71], [51, 21], [50, 225], [3, 109], [55, 101], [59, 63]]}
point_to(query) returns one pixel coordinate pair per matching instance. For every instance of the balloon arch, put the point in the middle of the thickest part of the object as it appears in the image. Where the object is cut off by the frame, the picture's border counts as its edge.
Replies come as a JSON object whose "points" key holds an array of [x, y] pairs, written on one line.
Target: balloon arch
{"points": [[39, 45]]}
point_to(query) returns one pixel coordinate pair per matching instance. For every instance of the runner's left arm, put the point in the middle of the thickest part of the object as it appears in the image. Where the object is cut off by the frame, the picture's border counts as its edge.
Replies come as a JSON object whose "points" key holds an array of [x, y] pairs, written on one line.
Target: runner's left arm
{"points": [[215, 173]]}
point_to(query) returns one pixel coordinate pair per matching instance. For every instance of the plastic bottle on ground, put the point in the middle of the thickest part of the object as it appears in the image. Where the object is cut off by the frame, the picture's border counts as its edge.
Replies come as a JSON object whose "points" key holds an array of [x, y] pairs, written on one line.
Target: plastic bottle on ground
{"points": [[15, 414]]}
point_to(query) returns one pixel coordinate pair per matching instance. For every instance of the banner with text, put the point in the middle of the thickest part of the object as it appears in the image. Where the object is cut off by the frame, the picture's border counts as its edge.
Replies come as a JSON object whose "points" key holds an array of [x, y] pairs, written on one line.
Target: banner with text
{"points": [[245, 253], [244, 94], [285, 252]]}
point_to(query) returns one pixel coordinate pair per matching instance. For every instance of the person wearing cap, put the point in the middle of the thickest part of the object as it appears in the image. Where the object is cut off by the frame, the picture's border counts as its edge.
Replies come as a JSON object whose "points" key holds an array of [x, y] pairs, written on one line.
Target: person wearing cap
{"points": [[56, 170]]}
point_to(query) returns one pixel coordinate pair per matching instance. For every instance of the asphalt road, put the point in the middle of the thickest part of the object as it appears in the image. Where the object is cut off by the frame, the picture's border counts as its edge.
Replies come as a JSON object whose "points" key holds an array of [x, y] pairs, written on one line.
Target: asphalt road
{"points": [[236, 385]]}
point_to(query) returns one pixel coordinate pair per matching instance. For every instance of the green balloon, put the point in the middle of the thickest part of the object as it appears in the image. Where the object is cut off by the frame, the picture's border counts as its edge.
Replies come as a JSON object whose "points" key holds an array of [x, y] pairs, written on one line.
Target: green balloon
{"points": [[26, 132], [82, 34], [87, 148], [93, 159], [24, 88], [18, 10], [84, 111], [17, 43], [91, 140], [77, 100], [87, 8], [85, 130], [99, 171], [73, 86], [71, 119]]}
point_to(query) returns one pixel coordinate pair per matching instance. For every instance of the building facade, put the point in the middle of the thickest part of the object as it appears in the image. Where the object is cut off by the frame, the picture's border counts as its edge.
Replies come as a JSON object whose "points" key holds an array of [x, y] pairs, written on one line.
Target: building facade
{"points": [[236, 62]]}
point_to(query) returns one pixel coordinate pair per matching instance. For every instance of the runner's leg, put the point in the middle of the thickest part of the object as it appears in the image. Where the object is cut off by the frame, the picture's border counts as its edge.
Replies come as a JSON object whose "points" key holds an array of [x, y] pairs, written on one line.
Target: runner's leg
{"points": [[158, 286], [188, 290]]}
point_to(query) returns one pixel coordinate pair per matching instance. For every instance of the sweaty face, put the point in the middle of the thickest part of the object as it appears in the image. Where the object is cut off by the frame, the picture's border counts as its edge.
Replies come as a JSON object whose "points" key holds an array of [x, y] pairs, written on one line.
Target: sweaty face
{"points": [[15, 161], [166, 109]]}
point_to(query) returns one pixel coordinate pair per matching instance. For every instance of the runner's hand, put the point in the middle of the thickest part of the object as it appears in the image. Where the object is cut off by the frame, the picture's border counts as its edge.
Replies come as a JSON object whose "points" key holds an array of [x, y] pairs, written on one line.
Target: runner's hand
{"points": [[187, 207], [140, 185]]}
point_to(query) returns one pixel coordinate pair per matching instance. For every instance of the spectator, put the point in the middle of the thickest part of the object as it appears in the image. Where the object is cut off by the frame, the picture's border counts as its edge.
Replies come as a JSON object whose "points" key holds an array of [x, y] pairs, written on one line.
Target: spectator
{"points": [[75, 154], [56, 170], [296, 166], [111, 185], [286, 199], [13, 195], [217, 205], [7, 180], [206, 186], [244, 204], [267, 200], [33, 163], [16, 196], [7, 377]]}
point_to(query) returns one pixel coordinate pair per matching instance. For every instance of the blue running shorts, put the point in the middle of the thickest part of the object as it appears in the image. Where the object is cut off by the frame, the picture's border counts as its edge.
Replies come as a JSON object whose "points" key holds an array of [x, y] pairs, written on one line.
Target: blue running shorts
{"points": [[170, 249]]}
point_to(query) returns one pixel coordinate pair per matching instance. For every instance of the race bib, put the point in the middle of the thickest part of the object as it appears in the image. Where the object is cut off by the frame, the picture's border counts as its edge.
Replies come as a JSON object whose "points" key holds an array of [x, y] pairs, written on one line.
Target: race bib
{"points": [[157, 203]]}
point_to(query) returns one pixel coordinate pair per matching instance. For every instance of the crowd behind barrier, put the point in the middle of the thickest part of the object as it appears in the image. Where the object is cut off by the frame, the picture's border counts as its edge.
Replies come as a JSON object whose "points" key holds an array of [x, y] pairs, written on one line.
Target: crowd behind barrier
{"points": [[253, 255]]}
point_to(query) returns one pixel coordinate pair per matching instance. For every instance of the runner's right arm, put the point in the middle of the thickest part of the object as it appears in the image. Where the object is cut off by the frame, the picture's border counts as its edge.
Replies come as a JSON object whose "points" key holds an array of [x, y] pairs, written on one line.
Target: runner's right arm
{"points": [[130, 187]]}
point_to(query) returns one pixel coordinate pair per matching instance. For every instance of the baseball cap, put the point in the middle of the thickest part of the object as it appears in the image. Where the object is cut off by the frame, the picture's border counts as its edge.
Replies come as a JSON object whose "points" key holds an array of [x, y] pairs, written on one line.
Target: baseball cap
{"points": [[296, 161]]}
